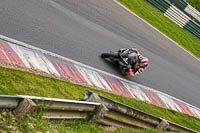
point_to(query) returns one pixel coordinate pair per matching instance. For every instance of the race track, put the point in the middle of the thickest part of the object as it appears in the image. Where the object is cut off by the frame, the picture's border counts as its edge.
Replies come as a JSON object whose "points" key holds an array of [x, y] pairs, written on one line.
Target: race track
{"points": [[83, 29]]}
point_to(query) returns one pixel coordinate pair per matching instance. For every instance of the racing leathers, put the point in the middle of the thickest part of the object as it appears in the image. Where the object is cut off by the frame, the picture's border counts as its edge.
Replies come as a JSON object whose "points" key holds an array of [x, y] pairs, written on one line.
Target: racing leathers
{"points": [[132, 62]]}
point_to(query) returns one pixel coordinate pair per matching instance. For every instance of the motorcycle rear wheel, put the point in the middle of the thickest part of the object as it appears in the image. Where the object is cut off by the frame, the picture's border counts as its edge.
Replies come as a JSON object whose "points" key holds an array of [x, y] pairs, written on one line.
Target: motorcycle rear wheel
{"points": [[108, 55]]}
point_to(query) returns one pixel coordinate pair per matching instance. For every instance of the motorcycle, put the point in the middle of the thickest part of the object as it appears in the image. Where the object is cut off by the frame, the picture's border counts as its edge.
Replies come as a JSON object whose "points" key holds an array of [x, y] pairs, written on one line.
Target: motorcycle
{"points": [[123, 60]]}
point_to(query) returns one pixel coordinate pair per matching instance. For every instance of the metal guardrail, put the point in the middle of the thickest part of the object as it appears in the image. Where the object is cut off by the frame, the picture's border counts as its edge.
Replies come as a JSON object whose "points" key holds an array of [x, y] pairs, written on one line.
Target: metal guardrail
{"points": [[64, 109], [103, 110], [9, 102], [54, 108], [141, 118]]}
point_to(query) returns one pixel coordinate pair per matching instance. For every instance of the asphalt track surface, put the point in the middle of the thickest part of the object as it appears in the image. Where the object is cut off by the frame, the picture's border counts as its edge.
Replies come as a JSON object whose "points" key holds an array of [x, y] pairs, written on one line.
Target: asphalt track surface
{"points": [[83, 29]]}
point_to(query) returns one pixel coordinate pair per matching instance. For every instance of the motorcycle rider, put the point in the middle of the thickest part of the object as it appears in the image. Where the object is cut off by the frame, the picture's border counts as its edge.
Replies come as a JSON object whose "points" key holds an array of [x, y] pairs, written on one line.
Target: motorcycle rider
{"points": [[132, 62]]}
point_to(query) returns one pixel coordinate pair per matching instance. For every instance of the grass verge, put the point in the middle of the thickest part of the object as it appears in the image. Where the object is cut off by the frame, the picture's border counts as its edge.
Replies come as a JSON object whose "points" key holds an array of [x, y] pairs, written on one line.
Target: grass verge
{"points": [[14, 82], [146, 11]]}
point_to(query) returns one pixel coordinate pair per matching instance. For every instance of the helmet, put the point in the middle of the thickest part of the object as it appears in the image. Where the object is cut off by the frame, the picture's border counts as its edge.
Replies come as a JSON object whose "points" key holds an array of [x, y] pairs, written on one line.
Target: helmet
{"points": [[132, 59], [144, 61]]}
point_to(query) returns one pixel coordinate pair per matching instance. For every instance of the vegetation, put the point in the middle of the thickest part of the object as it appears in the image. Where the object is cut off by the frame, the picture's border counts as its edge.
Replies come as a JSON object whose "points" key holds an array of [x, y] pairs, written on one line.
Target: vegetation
{"points": [[33, 123], [14, 82]]}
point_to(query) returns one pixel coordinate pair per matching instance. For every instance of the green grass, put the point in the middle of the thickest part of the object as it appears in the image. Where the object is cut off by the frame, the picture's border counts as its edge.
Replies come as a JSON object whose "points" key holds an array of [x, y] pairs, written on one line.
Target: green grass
{"points": [[195, 3], [14, 82], [33, 123], [146, 11]]}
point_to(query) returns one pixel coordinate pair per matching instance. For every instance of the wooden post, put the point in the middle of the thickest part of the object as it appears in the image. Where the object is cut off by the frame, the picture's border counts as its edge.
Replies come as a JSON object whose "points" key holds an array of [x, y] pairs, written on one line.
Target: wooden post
{"points": [[94, 98], [100, 110], [163, 125], [26, 106], [100, 113]]}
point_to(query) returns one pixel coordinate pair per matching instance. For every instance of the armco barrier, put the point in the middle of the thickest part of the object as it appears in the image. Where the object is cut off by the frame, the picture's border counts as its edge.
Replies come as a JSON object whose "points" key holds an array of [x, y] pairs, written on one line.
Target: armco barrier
{"points": [[134, 115], [177, 16], [54, 108], [64, 109], [59, 109], [9, 102], [101, 108]]}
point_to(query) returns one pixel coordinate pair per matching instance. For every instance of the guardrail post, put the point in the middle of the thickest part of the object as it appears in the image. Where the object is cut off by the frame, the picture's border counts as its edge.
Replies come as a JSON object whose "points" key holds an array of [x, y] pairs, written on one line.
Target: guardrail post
{"points": [[25, 106], [92, 97], [163, 125], [100, 113], [100, 110]]}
